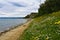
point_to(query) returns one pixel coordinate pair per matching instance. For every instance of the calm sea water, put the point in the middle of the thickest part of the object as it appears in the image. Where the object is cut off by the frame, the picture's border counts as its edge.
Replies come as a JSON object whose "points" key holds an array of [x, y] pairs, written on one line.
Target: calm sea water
{"points": [[10, 23]]}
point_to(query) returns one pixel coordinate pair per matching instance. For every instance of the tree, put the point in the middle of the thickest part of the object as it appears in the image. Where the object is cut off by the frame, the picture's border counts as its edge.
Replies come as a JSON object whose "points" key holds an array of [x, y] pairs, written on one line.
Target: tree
{"points": [[49, 6], [32, 15]]}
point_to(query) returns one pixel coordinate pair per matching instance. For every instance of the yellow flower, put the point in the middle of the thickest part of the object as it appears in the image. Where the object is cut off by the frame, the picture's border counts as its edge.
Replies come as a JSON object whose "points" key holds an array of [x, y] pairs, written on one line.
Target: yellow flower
{"points": [[57, 22], [36, 38], [47, 38]]}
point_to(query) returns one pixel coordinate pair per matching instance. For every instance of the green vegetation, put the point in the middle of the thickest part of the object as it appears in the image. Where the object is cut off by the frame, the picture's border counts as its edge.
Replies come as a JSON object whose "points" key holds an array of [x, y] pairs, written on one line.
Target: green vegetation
{"points": [[49, 6], [46, 27]]}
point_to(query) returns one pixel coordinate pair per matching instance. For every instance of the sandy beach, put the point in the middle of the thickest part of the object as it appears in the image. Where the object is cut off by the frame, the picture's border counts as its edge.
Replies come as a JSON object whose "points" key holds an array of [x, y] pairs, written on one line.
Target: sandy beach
{"points": [[14, 34]]}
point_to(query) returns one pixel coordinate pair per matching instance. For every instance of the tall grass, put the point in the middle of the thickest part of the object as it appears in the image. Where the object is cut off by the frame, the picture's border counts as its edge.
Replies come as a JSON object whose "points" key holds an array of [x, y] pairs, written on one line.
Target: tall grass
{"points": [[45, 27]]}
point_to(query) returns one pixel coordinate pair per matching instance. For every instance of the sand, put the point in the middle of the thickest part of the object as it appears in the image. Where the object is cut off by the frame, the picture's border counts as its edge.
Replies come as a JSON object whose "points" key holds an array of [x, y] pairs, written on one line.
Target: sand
{"points": [[14, 34]]}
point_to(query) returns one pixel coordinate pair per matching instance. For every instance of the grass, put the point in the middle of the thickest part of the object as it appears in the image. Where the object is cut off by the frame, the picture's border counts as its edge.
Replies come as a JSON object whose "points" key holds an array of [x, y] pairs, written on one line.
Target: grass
{"points": [[46, 27]]}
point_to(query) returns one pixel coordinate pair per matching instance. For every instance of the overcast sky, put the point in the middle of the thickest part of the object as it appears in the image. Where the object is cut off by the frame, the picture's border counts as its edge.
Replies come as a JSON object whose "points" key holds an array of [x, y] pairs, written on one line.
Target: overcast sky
{"points": [[18, 8]]}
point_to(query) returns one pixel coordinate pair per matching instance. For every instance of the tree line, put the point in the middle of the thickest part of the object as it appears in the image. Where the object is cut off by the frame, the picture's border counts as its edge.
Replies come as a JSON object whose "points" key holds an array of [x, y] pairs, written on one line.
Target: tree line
{"points": [[47, 7]]}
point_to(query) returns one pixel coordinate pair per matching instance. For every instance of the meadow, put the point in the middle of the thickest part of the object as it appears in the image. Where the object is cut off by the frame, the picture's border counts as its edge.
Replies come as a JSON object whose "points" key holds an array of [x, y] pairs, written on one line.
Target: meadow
{"points": [[46, 27]]}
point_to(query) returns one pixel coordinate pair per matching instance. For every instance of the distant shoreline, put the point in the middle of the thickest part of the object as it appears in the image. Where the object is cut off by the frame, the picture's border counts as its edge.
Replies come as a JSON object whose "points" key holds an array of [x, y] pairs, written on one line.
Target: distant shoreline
{"points": [[12, 18]]}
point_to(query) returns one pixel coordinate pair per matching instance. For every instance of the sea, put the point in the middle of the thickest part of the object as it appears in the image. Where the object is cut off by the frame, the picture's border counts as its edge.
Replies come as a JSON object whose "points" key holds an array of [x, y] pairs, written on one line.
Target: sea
{"points": [[10, 22]]}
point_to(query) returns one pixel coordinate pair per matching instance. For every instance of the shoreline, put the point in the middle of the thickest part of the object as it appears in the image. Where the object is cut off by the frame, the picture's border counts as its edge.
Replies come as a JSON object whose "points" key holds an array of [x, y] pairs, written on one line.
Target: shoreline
{"points": [[15, 33], [12, 28], [9, 29]]}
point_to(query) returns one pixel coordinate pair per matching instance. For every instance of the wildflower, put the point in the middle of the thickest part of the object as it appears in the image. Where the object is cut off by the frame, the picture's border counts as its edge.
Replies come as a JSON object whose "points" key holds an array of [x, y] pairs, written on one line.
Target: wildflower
{"points": [[57, 22], [47, 38], [36, 38]]}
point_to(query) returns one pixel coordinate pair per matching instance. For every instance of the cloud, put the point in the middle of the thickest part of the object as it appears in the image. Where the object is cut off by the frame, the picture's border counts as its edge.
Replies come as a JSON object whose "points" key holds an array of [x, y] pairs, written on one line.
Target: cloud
{"points": [[18, 8], [17, 4], [1, 5]]}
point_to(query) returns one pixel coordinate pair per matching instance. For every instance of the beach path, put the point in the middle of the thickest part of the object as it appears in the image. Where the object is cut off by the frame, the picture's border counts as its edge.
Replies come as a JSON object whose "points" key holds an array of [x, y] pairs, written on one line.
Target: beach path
{"points": [[14, 34]]}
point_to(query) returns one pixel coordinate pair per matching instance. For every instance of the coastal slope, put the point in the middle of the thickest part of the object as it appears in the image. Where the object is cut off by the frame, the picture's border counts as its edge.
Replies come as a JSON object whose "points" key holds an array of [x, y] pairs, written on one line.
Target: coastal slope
{"points": [[45, 27]]}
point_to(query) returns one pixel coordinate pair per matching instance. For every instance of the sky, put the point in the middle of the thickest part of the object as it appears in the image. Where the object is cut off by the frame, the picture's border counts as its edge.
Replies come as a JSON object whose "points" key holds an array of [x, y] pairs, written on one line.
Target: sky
{"points": [[18, 8]]}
